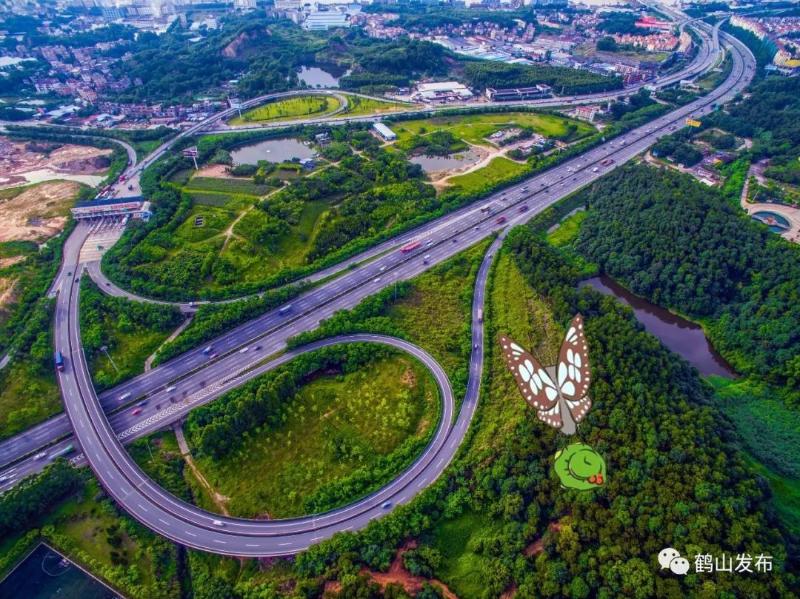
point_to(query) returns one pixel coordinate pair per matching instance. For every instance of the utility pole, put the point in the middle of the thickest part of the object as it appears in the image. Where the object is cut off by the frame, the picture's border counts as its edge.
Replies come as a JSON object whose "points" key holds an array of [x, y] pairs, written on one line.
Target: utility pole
{"points": [[104, 349]]}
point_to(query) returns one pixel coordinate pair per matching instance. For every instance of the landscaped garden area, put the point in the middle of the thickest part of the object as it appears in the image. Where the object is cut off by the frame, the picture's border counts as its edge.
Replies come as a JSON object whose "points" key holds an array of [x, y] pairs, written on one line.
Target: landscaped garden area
{"points": [[474, 153], [316, 106], [269, 209], [287, 109]]}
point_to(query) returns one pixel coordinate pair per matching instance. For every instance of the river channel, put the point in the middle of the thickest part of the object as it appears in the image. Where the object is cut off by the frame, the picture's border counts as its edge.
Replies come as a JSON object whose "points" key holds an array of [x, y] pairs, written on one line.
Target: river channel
{"points": [[685, 338]]}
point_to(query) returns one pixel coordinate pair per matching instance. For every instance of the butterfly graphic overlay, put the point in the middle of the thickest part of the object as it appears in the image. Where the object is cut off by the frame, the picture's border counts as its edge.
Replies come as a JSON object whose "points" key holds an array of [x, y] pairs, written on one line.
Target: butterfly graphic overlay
{"points": [[557, 393]]}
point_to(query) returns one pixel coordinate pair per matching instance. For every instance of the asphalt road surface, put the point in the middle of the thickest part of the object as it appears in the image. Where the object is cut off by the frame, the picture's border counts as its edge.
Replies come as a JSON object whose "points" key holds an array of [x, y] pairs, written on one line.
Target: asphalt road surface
{"points": [[347, 290], [191, 372]]}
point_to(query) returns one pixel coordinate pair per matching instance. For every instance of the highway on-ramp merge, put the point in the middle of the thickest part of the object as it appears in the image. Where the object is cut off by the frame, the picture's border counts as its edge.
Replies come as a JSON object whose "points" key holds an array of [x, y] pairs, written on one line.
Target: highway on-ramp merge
{"points": [[350, 287], [443, 238]]}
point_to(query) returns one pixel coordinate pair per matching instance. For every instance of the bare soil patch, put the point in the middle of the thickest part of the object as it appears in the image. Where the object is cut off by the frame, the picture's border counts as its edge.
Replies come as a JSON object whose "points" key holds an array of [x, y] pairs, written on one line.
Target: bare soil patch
{"points": [[217, 171], [8, 296], [19, 157], [397, 574], [6, 262], [37, 213], [537, 546]]}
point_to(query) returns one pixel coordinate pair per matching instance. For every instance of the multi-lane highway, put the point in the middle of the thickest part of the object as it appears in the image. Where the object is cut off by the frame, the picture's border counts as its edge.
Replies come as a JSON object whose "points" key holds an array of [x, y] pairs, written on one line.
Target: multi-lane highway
{"points": [[32, 441], [192, 372], [552, 184], [707, 56], [705, 59], [699, 64]]}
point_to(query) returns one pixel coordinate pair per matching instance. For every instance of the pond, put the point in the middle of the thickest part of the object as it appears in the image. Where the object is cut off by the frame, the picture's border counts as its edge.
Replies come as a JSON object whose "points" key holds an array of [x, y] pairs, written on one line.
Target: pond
{"points": [[273, 150], [678, 334], [317, 77], [46, 573], [435, 164], [775, 222]]}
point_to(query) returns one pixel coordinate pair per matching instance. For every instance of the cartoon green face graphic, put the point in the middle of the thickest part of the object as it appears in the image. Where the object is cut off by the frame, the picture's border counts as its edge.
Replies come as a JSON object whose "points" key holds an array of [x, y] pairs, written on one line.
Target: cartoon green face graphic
{"points": [[580, 467]]}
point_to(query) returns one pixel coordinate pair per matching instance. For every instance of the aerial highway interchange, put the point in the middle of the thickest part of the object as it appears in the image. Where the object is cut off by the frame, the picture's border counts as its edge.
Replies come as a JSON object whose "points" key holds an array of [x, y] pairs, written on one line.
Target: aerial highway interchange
{"points": [[198, 378]]}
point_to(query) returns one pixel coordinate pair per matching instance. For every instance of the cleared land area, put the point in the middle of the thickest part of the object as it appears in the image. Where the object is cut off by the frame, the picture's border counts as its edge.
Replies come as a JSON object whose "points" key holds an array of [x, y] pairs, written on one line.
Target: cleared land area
{"points": [[20, 158], [36, 212]]}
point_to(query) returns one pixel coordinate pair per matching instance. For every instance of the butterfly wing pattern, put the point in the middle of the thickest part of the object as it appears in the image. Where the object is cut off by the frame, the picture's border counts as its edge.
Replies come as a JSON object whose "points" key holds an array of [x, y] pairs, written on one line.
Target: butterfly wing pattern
{"points": [[572, 378], [573, 371], [536, 386]]}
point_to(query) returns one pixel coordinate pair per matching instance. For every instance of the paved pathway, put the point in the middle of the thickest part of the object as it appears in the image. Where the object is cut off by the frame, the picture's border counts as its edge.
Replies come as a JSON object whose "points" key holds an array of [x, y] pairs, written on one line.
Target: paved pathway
{"points": [[789, 213]]}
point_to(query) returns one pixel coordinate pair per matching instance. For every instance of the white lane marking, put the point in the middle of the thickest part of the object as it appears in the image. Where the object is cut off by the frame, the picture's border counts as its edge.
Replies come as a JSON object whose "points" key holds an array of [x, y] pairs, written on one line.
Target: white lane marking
{"points": [[220, 542], [285, 544], [144, 509], [191, 534], [251, 545], [163, 521]]}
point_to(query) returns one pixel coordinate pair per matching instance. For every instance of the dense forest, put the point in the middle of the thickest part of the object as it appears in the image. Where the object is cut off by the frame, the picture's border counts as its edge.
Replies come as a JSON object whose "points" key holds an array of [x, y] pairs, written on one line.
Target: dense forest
{"points": [[675, 482], [681, 152], [108, 321], [770, 116], [397, 62], [172, 69], [26, 502], [674, 241], [563, 80], [622, 22]]}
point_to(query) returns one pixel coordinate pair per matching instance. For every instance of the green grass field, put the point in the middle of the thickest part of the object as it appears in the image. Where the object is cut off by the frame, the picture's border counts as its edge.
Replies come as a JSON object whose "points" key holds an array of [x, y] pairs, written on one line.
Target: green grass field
{"points": [[227, 186], [370, 412], [289, 109], [211, 198], [256, 262], [499, 170], [770, 432], [28, 395], [436, 313], [564, 237], [358, 106], [204, 222], [130, 332], [463, 569], [567, 230], [474, 128], [714, 77], [129, 351]]}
